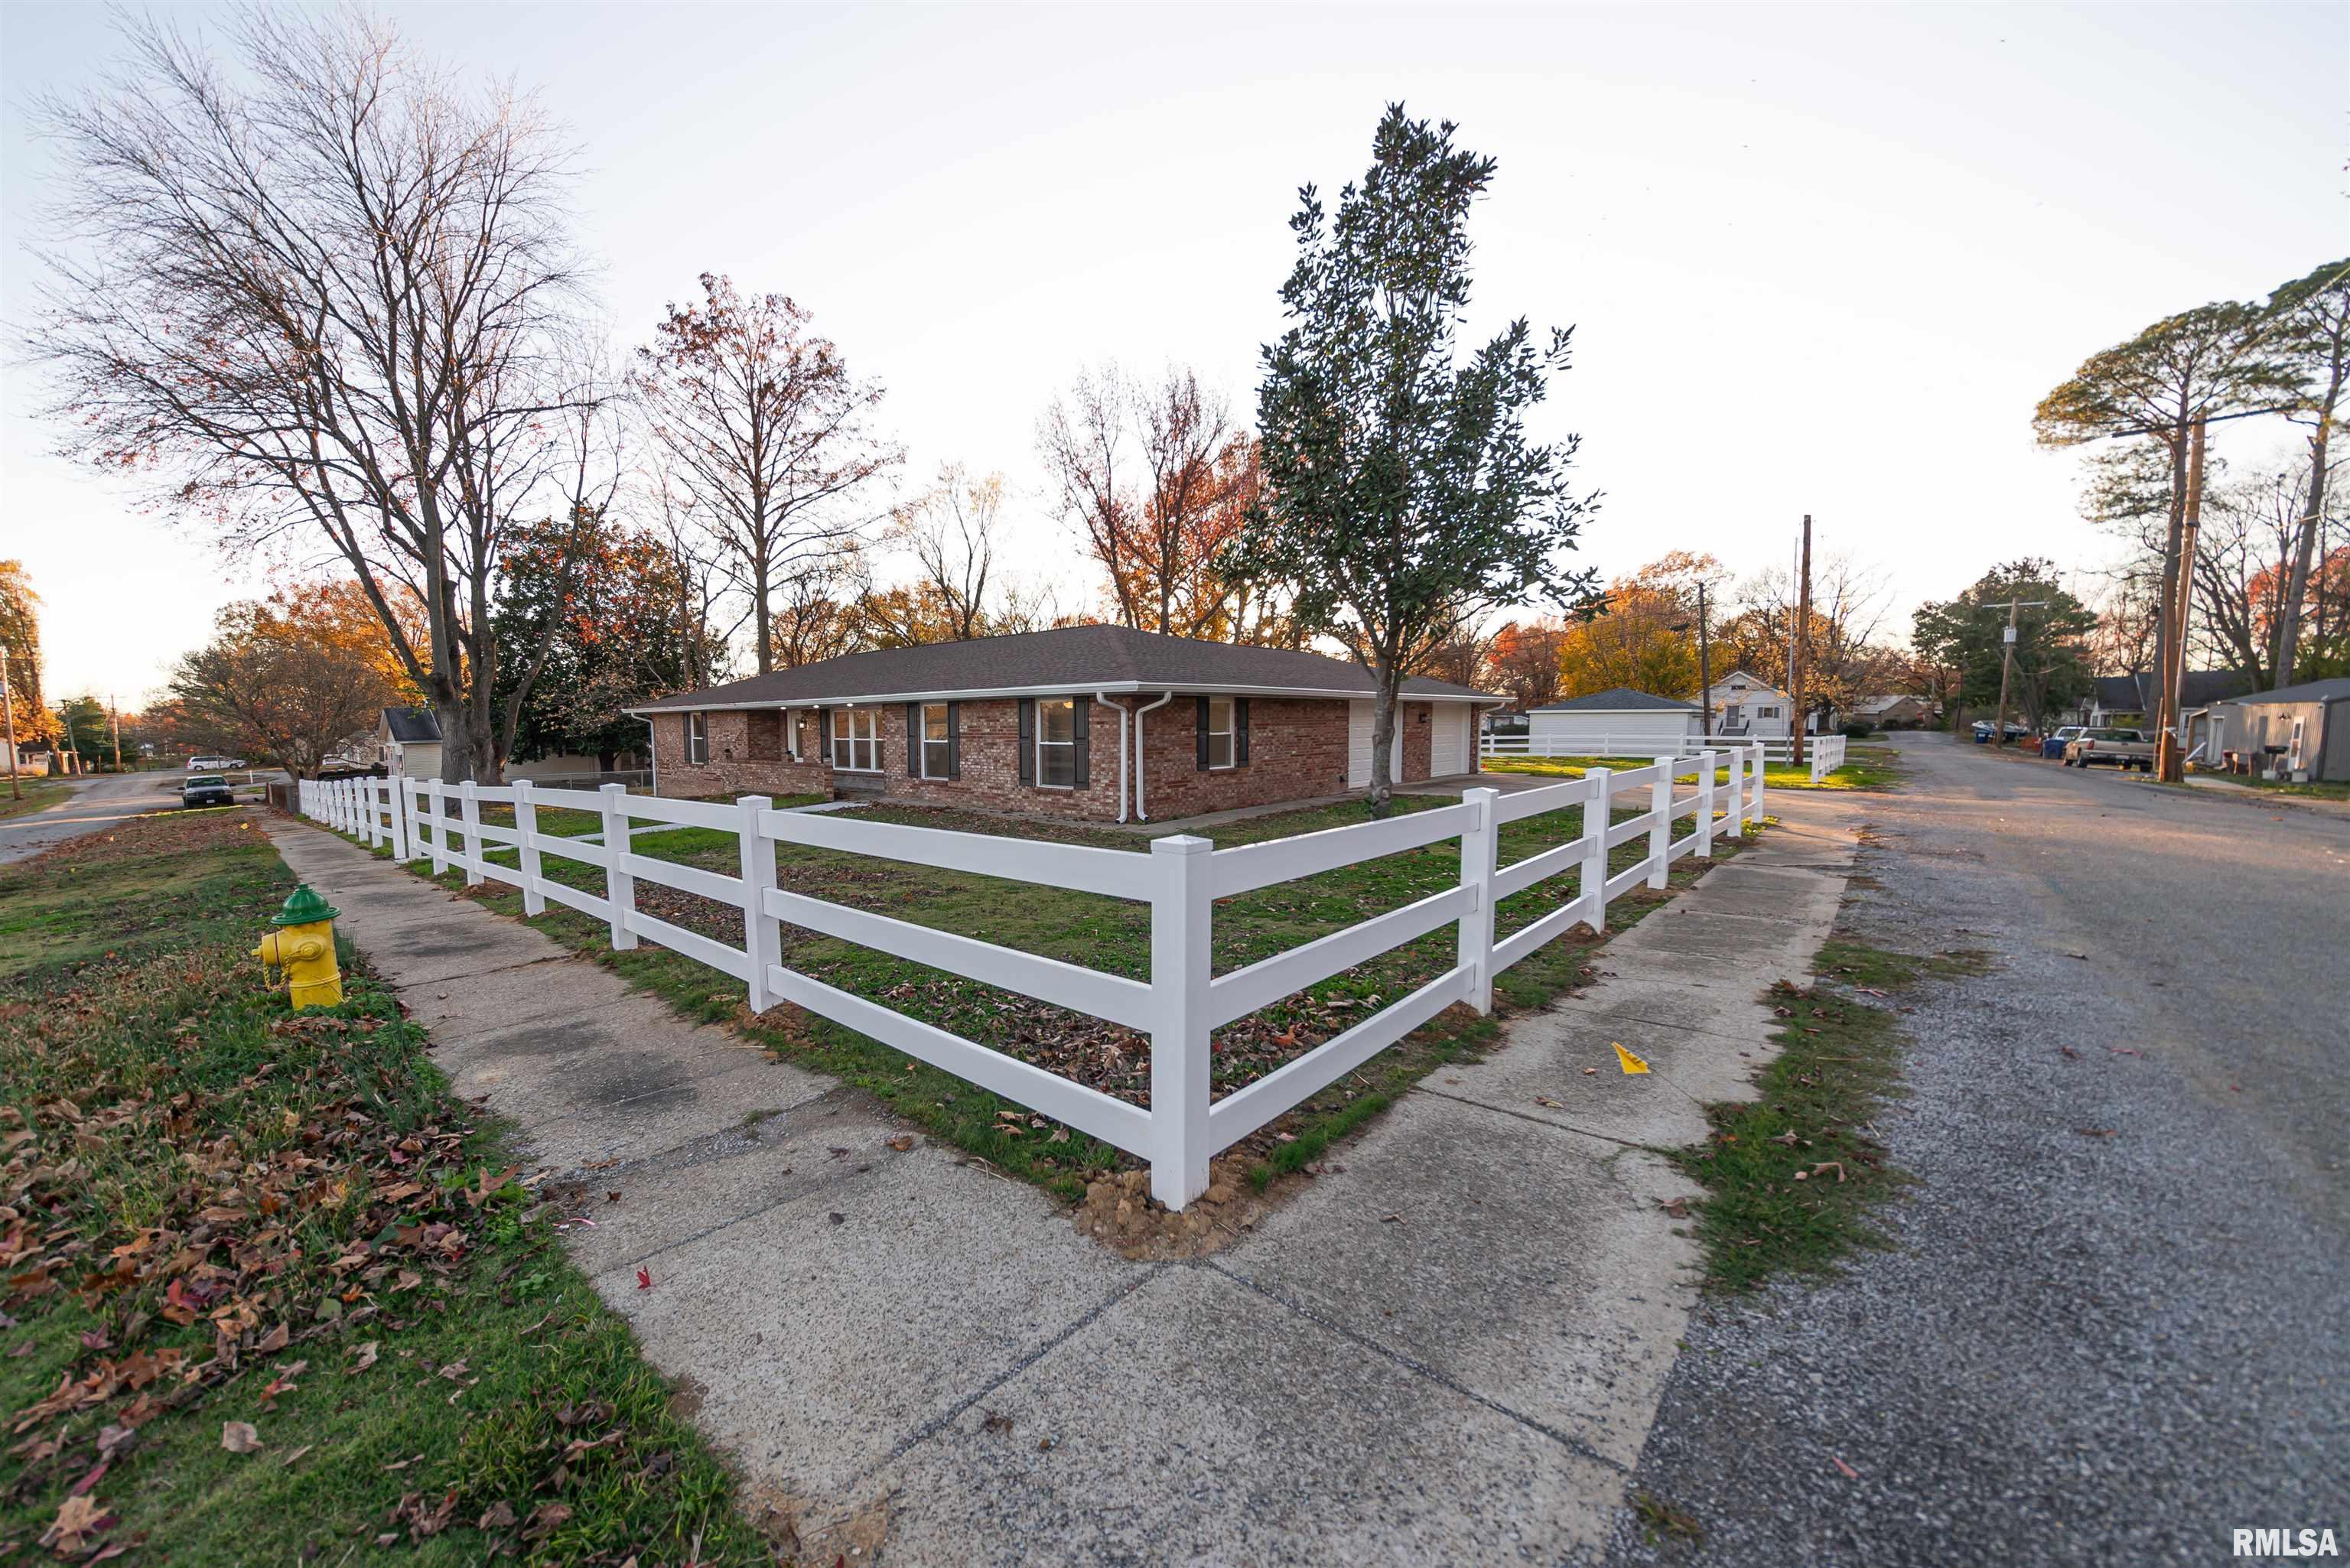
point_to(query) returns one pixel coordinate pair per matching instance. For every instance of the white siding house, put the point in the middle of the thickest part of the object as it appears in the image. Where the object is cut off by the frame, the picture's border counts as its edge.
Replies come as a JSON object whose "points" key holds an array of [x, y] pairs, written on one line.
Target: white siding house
{"points": [[1747, 708], [1619, 723]]}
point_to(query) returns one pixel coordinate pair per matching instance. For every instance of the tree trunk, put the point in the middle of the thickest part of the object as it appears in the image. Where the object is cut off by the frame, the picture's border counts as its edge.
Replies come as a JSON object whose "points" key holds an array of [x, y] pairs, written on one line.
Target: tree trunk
{"points": [[1380, 797], [2288, 641]]}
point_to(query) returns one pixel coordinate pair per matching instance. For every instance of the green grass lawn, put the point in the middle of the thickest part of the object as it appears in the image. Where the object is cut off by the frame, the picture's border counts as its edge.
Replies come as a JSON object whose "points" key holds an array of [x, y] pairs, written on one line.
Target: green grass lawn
{"points": [[2315, 790], [36, 795], [1866, 767], [1107, 934], [268, 1293], [1794, 1176]]}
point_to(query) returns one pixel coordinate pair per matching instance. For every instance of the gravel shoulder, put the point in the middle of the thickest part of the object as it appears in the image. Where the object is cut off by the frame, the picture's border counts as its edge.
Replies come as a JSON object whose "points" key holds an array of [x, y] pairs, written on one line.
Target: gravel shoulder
{"points": [[2109, 1326]]}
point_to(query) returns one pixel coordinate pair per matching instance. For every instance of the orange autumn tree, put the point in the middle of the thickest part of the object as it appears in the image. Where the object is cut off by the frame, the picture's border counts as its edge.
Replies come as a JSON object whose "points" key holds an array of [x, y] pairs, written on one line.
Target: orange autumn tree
{"points": [[288, 679], [1645, 638]]}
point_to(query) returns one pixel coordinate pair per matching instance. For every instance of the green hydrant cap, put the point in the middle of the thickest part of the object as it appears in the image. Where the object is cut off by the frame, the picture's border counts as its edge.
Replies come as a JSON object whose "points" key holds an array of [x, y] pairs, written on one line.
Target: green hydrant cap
{"points": [[305, 908]]}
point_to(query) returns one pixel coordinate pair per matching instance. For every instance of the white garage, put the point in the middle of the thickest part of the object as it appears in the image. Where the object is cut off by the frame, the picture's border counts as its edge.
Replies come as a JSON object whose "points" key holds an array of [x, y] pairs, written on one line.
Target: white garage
{"points": [[1618, 722]]}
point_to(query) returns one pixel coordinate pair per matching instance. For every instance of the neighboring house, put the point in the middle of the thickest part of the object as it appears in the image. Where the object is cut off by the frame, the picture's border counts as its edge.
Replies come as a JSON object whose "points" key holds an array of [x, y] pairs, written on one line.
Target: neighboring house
{"points": [[1100, 721], [2302, 729], [2129, 700], [1618, 721], [1891, 711], [1503, 722], [1746, 708], [407, 741]]}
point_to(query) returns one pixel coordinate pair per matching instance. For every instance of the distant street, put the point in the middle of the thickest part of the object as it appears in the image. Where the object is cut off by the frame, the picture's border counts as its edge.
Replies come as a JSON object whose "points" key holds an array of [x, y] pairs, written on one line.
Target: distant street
{"points": [[2108, 1326], [102, 799]]}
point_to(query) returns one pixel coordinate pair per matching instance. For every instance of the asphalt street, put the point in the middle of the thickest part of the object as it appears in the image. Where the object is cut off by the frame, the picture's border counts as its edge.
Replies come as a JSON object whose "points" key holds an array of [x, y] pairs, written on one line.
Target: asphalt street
{"points": [[98, 801], [2109, 1324]]}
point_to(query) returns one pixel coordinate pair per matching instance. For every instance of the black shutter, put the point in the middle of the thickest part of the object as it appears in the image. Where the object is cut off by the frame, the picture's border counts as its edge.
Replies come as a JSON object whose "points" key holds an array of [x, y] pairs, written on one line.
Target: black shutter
{"points": [[914, 740], [1027, 740], [823, 736], [1240, 730], [954, 740], [1199, 735], [1081, 725]]}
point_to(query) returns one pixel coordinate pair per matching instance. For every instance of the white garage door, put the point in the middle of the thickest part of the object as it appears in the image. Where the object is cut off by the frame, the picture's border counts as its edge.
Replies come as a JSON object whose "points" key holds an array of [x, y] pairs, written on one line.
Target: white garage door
{"points": [[1449, 753], [1359, 716]]}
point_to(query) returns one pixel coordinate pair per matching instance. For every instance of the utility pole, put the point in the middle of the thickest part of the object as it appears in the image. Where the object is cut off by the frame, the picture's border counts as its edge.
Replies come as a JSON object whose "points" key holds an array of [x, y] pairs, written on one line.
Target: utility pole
{"points": [[114, 716], [8, 705], [1704, 669], [2006, 661], [1799, 646], [2170, 767]]}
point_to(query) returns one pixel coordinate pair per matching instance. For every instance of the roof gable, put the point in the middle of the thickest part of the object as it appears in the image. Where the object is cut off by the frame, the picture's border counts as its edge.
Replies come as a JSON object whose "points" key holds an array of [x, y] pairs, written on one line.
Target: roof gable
{"points": [[1619, 700], [409, 726]]}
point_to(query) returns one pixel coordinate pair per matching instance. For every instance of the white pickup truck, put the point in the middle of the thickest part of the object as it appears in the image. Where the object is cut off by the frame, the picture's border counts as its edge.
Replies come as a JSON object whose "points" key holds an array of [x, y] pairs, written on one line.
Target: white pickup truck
{"points": [[2124, 749]]}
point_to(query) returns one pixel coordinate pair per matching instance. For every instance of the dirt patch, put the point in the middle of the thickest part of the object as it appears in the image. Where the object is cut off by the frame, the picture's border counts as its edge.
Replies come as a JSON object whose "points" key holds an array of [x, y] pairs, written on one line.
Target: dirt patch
{"points": [[171, 832], [1119, 1212]]}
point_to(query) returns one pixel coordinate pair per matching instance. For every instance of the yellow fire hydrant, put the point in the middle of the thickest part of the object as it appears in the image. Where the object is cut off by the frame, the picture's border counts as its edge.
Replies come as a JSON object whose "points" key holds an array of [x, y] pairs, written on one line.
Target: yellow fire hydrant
{"points": [[304, 946]]}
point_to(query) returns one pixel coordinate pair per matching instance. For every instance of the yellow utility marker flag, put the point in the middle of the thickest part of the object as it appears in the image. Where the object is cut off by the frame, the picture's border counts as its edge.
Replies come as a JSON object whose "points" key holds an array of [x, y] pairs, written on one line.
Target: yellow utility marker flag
{"points": [[1631, 1063]]}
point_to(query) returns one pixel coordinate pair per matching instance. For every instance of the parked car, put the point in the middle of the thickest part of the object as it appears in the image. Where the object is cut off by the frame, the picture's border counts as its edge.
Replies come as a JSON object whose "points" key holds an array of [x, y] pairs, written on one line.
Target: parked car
{"points": [[213, 765], [1983, 728], [2054, 745], [2124, 749], [206, 789], [331, 772]]}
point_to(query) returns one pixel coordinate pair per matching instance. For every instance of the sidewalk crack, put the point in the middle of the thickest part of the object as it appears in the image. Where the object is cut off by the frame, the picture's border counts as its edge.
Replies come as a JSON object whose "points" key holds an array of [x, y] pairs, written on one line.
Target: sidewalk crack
{"points": [[1412, 1363]]}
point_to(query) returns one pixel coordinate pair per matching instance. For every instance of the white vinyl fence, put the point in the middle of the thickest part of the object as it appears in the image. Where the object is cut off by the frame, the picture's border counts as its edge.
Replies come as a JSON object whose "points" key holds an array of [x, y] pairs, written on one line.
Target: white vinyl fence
{"points": [[1824, 753], [1181, 878]]}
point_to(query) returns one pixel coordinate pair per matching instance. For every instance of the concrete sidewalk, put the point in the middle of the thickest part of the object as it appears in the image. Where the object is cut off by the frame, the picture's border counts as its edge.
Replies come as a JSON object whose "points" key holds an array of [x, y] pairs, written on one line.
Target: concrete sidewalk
{"points": [[1449, 1351]]}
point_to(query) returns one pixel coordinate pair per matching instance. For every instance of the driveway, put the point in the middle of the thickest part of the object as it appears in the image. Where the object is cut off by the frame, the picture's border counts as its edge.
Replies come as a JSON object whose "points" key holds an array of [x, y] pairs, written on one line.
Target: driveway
{"points": [[2110, 1325]]}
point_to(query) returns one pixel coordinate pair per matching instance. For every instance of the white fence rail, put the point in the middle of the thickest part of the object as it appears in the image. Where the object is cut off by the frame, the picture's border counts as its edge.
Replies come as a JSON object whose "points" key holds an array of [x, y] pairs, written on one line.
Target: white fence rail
{"points": [[1824, 753], [1181, 1002]]}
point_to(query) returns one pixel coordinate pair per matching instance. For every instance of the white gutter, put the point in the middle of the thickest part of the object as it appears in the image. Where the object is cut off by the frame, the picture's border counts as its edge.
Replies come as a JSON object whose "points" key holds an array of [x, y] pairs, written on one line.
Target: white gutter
{"points": [[1141, 812], [1123, 714]]}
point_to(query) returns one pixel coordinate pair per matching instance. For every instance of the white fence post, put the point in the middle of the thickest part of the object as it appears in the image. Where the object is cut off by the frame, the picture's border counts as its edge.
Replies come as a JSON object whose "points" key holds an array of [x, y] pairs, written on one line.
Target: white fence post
{"points": [[398, 826], [1762, 761], [1480, 844], [439, 794], [469, 801], [533, 902], [761, 941], [1705, 805], [1738, 790], [619, 885], [1596, 812], [1181, 913], [1660, 831]]}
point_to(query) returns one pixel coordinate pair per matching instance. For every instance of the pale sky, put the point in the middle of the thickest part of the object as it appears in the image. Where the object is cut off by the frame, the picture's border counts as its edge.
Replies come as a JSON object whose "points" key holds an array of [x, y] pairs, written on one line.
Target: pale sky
{"points": [[1819, 259]]}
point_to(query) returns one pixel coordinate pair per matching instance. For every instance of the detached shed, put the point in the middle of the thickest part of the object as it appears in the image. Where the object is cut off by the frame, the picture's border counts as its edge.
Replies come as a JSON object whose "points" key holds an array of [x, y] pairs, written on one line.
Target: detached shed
{"points": [[2303, 730], [1618, 722]]}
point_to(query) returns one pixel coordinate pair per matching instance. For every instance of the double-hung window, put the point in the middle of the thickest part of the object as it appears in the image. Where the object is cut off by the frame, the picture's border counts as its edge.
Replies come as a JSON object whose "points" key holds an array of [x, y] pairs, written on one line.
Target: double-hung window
{"points": [[697, 738], [1056, 744], [856, 739], [938, 756], [1220, 732]]}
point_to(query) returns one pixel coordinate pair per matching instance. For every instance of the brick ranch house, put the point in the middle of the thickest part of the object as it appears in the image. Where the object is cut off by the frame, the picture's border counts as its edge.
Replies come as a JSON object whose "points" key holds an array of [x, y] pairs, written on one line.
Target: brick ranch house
{"points": [[1096, 722]]}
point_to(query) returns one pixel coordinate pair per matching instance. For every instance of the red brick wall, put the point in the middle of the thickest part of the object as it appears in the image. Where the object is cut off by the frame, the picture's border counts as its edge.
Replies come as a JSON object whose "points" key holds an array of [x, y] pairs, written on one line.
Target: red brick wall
{"points": [[729, 770], [1297, 750], [1419, 739]]}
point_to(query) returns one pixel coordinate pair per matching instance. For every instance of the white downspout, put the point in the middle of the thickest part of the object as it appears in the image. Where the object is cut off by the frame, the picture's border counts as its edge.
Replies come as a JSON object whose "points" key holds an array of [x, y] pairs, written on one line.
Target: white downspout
{"points": [[1141, 812], [1103, 698]]}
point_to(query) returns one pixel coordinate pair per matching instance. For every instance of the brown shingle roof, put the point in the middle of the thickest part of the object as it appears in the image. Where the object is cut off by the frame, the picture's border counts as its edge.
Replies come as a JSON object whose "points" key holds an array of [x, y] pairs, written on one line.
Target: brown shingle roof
{"points": [[1067, 658]]}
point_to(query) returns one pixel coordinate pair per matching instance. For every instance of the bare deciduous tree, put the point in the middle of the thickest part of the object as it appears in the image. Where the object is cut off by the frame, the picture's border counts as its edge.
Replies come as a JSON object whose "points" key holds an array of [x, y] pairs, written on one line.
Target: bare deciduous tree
{"points": [[764, 425], [324, 296], [1156, 481]]}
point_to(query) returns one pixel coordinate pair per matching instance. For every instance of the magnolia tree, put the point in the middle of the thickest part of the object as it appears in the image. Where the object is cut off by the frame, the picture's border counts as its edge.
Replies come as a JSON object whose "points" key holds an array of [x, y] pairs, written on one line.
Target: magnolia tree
{"points": [[1399, 487]]}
